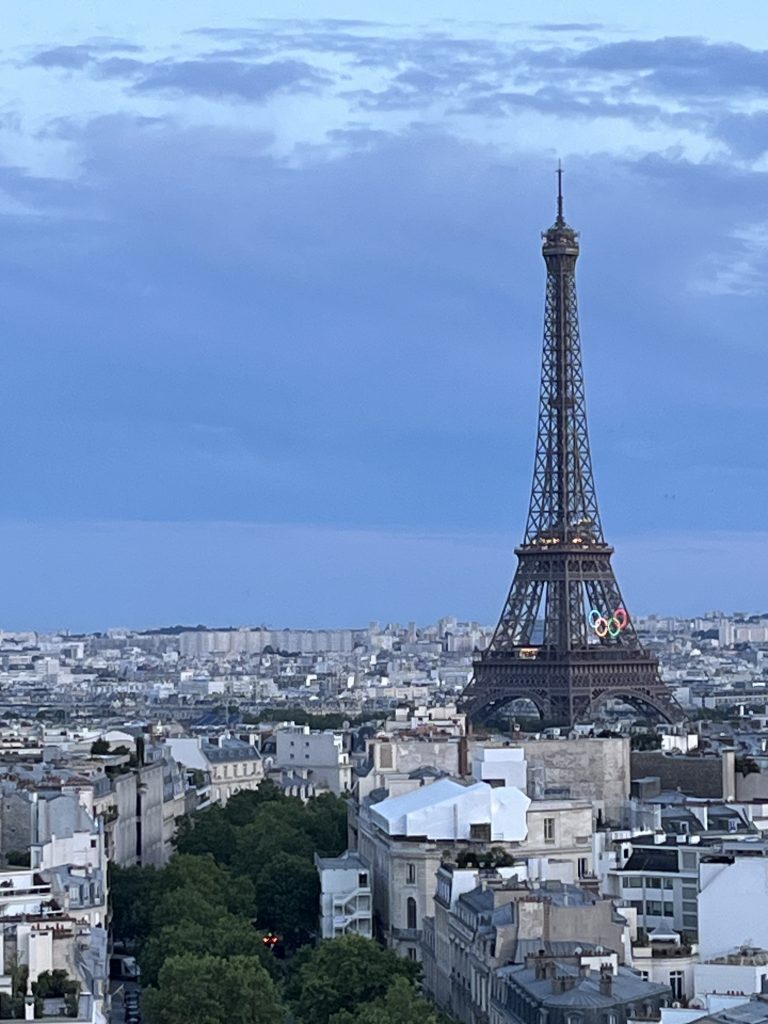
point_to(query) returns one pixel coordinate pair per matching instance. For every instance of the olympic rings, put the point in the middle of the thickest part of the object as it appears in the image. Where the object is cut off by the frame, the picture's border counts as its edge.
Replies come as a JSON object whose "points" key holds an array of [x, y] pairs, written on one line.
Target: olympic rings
{"points": [[609, 625]]}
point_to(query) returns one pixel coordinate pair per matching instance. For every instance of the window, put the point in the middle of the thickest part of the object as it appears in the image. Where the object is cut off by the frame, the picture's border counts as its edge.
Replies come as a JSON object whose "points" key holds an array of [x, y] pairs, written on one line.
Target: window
{"points": [[653, 907], [667, 883], [677, 984], [549, 837], [481, 832], [410, 912], [733, 824], [633, 883], [689, 861], [362, 879], [410, 874], [583, 867], [653, 883], [668, 910], [411, 953]]}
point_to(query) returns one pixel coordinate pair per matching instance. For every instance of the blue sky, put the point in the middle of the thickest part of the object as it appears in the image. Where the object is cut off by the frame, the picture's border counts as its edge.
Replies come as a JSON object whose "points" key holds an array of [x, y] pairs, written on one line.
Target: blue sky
{"points": [[271, 295]]}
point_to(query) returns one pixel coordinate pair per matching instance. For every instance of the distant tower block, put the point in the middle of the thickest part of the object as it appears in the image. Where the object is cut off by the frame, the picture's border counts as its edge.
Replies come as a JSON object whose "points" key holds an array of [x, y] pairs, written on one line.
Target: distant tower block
{"points": [[565, 640]]}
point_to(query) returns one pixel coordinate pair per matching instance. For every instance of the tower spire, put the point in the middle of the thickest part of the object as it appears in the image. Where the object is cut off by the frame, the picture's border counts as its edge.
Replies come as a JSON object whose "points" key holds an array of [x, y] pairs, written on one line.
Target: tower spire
{"points": [[560, 222]]}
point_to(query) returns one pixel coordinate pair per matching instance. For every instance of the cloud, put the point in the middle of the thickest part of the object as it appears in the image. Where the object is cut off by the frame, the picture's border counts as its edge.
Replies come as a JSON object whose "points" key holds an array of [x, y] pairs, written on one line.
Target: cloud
{"points": [[212, 78], [682, 64], [79, 56], [562, 103], [568, 26], [745, 134], [68, 57]]}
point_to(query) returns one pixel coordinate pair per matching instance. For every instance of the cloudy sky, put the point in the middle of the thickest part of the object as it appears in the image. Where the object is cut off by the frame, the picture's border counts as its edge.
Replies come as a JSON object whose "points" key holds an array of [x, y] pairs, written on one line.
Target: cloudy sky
{"points": [[271, 294]]}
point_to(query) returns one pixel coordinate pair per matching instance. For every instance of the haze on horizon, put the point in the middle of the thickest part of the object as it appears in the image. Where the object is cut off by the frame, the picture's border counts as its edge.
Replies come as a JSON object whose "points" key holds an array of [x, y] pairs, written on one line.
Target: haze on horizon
{"points": [[271, 296]]}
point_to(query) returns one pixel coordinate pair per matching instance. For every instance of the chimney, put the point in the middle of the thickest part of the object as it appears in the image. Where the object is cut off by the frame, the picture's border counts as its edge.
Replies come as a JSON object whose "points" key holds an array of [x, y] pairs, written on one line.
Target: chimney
{"points": [[538, 965], [606, 980]]}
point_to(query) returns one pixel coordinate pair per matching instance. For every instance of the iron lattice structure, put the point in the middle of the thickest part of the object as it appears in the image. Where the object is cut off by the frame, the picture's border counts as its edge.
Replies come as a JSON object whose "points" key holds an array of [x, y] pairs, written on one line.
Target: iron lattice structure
{"points": [[564, 640]]}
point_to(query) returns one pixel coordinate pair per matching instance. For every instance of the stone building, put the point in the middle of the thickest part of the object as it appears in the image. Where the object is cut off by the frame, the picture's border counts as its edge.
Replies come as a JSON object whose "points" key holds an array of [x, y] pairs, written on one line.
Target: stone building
{"points": [[406, 838], [485, 919], [584, 768], [566, 990]]}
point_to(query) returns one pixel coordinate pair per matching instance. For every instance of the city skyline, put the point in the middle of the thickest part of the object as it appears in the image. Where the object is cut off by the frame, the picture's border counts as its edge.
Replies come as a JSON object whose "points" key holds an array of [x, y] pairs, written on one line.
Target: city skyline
{"points": [[272, 306]]}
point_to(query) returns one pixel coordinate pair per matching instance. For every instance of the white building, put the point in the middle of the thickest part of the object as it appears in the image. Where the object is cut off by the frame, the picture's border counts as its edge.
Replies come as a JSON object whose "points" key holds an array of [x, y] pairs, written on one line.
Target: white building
{"points": [[345, 896], [500, 766], [55, 913], [448, 810], [743, 971], [733, 905], [231, 765], [318, 756]]}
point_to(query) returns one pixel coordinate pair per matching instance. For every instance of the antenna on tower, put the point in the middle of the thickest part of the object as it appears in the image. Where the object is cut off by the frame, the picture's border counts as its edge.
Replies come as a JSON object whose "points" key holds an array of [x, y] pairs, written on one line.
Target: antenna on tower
{"points": [[560, 218]]}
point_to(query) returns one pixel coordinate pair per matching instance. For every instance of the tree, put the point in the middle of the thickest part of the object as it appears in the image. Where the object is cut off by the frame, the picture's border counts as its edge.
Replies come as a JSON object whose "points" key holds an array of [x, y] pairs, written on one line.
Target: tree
{"points": [[133, 893], [400, 1005], [17, 858], [343, 974], [242, 807], [288, 898], [209, 832], [214, 883], [99, 747], [744, 766], [213, 990], [261, 842], [327, 824], [225, 936]]}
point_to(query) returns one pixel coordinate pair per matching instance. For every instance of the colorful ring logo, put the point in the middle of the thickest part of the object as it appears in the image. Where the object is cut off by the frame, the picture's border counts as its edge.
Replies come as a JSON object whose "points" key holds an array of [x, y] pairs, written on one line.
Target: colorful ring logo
{"points": [[609, 625]]}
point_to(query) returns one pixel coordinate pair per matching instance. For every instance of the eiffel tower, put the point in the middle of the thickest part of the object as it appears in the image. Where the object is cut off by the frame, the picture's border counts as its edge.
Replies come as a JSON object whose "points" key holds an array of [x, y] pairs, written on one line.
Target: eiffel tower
{"points": [[565, 640]]}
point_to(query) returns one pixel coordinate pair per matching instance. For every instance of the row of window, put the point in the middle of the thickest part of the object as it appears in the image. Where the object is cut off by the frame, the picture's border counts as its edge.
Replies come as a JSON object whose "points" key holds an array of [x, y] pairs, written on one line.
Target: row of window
{"points": [[650, 882]]}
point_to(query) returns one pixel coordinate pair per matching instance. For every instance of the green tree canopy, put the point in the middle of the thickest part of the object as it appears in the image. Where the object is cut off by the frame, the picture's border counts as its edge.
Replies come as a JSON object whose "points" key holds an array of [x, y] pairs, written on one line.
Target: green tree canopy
{"points": [[133, 893], [212, 990], [401, 1005], [225, 936], [214, 883], [289, 898], [265, 840], [209, 832], [343, 974]]}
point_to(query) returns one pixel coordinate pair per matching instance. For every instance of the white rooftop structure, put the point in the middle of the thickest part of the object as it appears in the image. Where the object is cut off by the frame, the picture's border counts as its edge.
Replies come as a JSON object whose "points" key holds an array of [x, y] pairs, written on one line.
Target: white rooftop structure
{"points": [[448, 810]]}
